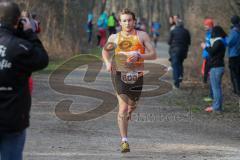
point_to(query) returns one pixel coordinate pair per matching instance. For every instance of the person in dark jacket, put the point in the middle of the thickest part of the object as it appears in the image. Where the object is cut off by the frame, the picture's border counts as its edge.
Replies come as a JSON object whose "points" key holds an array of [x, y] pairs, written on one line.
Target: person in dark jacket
{"points": [[19, 57], [179, 42], [233, 42], [216, 52]]}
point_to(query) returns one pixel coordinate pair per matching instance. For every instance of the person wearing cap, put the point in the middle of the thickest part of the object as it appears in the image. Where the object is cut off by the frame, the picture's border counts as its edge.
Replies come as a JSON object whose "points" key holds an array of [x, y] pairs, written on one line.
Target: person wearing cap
{"points": [[208, 25], [19, 57], [233, 42]]}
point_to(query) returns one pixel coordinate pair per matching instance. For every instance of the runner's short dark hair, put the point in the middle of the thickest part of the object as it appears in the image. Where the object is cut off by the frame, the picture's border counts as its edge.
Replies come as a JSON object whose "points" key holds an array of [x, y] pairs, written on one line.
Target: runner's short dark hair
{"points": [[127, 11]]}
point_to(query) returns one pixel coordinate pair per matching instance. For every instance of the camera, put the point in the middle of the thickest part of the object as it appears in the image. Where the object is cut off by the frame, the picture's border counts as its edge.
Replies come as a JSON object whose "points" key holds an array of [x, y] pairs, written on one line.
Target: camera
{"points": [[20, 24]]}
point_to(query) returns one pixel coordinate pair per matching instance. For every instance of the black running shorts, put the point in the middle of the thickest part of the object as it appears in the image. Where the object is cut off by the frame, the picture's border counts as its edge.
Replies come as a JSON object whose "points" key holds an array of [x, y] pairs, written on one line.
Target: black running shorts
{"points": [[133, 91]]}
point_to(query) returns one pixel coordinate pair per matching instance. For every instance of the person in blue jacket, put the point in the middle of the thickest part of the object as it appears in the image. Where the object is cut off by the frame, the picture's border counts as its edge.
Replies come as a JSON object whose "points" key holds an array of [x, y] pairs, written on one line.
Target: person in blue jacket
{"points": [[90, 26], [233, 42], [208, 25], [102, 29]]}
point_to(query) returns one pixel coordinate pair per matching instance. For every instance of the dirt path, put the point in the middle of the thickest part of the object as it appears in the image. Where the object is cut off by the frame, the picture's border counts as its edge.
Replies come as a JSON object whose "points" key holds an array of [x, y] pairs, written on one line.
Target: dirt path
{"points": [[159, 128]]}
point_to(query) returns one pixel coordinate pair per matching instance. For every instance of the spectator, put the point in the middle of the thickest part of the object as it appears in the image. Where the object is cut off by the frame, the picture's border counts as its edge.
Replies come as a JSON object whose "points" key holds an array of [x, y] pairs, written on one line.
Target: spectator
{"points": [[155, 30], [208, 25], [216, 52], [90, 26], [179, 42], [112, 23], [21, 57], [233, 42], [102, 29]]}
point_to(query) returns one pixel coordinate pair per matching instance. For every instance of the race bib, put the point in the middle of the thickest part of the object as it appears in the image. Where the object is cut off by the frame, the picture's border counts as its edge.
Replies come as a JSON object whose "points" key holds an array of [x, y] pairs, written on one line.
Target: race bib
{"points": [[129, 77]]}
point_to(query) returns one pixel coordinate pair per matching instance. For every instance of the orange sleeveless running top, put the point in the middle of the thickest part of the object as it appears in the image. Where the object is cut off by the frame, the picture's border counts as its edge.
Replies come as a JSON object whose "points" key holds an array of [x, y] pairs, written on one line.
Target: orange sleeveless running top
{"points": [[128, 45]]}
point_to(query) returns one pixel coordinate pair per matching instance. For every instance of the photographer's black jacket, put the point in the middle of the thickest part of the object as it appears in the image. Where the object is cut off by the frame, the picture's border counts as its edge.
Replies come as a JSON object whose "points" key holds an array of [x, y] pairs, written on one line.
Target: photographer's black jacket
{"points": [[19, 57]]}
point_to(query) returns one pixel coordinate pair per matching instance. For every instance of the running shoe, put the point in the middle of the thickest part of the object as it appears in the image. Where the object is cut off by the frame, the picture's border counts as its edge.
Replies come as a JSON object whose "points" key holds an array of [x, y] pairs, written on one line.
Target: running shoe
{"points": [[125, 147], [207, 99]]}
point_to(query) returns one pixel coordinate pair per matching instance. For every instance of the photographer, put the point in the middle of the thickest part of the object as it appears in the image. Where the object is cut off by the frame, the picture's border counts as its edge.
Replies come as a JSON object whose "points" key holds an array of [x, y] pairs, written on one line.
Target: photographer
{"points": [[21, 53]]}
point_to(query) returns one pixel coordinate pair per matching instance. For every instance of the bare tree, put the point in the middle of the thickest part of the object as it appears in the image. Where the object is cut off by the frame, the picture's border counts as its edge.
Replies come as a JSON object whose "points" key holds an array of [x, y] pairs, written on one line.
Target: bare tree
{"points": [[103, 5], [168, 8], [235, 5]]}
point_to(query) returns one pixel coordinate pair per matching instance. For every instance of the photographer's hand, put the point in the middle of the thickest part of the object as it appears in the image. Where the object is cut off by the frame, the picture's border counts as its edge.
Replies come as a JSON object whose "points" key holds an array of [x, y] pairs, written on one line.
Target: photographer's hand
{"points": [[26, 24]]}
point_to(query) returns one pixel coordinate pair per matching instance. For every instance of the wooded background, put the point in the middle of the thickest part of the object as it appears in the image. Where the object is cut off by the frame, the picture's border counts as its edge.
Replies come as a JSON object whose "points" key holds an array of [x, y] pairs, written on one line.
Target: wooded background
{"points": [[63, 21]]}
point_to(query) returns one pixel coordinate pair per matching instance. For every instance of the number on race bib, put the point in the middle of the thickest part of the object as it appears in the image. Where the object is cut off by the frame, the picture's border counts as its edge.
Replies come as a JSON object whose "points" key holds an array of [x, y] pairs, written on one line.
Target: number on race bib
{"points": [[129, 77]]}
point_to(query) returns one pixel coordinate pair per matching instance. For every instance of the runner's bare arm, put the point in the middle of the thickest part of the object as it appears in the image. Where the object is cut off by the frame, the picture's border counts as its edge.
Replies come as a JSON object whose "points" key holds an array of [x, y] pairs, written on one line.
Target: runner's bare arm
{"points": [[106, 55], [150, 52]]}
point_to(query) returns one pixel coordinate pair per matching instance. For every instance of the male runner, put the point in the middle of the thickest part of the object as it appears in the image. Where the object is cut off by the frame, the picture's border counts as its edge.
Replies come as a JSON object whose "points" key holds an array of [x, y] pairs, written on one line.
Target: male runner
{"points": [[124, 55]]}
